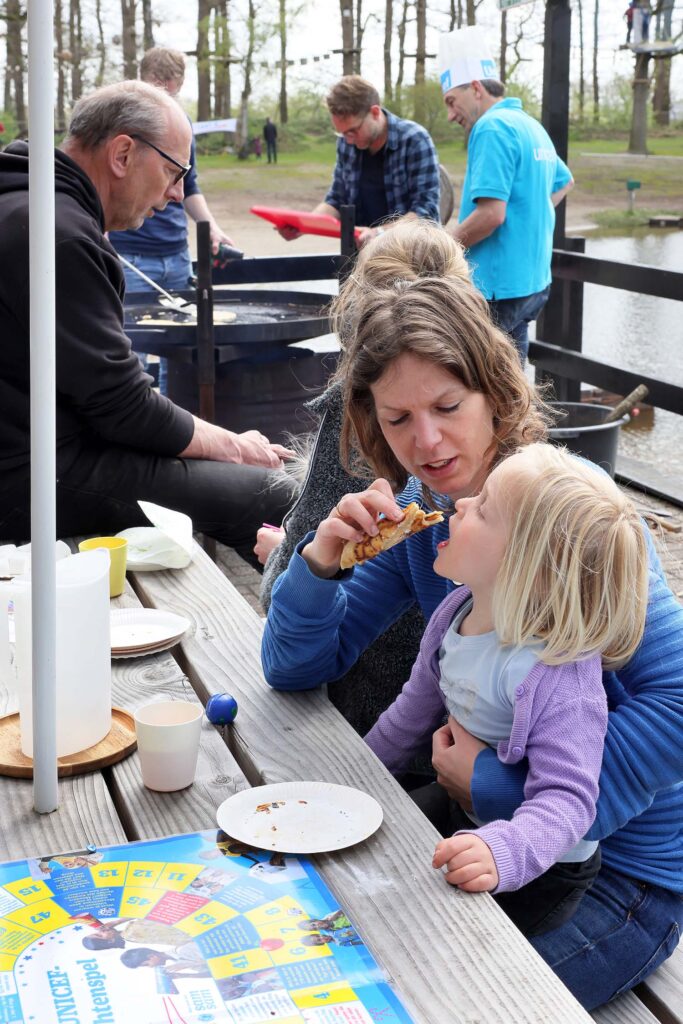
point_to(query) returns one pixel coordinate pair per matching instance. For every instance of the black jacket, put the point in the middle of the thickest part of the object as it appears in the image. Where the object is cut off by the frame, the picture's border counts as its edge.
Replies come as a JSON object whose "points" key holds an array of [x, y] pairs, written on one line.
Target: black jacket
{"points": [[103, 396]]}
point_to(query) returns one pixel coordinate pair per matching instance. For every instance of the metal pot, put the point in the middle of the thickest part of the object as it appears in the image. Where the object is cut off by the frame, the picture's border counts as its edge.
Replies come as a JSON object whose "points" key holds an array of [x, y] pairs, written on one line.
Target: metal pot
{"points": [[582, 430]]}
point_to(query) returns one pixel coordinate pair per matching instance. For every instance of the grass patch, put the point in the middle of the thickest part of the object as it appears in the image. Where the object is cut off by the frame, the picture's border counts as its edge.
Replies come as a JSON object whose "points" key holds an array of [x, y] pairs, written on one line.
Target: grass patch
{"points": [[658, 145], [625, 219]]}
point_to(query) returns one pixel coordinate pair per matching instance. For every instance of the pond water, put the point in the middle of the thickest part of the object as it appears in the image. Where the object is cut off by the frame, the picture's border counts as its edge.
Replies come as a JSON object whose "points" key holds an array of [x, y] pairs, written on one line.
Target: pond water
{"points": [[640, 333]]}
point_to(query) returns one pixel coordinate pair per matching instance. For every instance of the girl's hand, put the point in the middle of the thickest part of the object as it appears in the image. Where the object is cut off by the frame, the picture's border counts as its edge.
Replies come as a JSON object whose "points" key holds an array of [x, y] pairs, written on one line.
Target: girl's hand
{"points": [[267, 539], [454, 751], [469, 863], [353, 516]]}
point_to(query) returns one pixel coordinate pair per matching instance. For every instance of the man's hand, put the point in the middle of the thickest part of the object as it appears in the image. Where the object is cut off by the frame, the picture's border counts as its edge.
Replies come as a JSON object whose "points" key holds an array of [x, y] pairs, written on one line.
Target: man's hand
{"points": [[252, 448], [364, 235], [469, 863], [218, 238], [288, 232], [256, 450], [454, 751]]}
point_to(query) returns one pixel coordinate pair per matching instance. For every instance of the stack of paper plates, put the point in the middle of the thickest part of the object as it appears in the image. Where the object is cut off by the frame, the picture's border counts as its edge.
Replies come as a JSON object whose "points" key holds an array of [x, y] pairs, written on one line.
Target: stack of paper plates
{"points": [[139, 631]]}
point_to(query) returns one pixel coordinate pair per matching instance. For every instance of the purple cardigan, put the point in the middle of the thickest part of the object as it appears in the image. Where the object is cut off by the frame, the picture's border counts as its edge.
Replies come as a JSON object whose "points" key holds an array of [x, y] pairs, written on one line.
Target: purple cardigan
{"points": [[559, 724]]}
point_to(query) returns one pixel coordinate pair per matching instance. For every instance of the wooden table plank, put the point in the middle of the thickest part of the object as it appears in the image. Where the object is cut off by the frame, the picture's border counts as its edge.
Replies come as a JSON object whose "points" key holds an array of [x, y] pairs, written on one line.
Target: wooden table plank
{"points": [[85, 814], [627, 1009], [147, 814], [452, 956]]}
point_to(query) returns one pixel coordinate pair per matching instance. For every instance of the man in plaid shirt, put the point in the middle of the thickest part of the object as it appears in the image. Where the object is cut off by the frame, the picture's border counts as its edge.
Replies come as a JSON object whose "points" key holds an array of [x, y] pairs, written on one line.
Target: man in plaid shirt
{"points": [[386, 167]]}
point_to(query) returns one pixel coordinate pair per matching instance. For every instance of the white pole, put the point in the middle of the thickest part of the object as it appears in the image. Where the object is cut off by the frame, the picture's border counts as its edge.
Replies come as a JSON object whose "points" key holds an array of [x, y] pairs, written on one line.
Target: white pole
{"points": [[43, 434]]}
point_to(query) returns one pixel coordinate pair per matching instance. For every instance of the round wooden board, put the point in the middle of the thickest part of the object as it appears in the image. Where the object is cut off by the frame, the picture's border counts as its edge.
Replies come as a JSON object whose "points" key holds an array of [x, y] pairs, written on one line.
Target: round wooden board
{"points": [[117, 744]]}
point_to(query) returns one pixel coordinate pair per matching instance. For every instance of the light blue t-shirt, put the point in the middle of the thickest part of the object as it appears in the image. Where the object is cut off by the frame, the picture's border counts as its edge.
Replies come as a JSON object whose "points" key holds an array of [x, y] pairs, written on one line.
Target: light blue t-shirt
{"points": [[510, 156]]}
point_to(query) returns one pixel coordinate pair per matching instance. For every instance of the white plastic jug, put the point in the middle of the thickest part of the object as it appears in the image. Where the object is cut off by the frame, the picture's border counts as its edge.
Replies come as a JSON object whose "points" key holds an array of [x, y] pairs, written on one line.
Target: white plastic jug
{"points": [[83, 652]]}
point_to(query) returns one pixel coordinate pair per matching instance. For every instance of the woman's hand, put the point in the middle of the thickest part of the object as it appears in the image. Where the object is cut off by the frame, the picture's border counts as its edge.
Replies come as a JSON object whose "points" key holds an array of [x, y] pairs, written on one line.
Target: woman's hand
{"points": [[454, 751], [353, 516], [469, 863]]}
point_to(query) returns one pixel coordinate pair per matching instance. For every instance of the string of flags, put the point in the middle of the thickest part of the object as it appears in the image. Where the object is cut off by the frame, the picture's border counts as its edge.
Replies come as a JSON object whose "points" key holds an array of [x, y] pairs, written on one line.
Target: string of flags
{"points": [[290, 63], [269, 65]]}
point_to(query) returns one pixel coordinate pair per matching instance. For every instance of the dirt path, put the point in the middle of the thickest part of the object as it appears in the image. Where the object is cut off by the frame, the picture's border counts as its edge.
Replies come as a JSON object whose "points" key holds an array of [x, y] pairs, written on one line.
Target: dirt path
{"points": [[600, 185]]}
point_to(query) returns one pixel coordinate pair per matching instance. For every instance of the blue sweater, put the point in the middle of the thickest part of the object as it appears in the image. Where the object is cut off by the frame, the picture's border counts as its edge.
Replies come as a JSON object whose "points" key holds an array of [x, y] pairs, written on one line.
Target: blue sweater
{"points": [[316, 630]]}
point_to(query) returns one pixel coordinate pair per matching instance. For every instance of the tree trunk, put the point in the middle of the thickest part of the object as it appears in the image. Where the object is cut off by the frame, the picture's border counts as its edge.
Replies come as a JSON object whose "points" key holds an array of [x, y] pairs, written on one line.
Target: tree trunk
{"points": [[641, 86], [401, 56], [60, 56], [582, 77], [222, 82], [596, 83], [76, 47], [243, 122], [348, 64], [388, 29], [284, 113], [420, 61], [471, 12], [358, 37], [101, 45], [661, 99], [147, 25], [15, 64], [129, 39], [503, 45], [203, 63]]}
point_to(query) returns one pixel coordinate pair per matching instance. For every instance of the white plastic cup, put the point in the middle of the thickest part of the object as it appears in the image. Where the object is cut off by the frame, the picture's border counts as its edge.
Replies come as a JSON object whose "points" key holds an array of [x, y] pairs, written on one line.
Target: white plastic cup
{"points": [[168, 734]]}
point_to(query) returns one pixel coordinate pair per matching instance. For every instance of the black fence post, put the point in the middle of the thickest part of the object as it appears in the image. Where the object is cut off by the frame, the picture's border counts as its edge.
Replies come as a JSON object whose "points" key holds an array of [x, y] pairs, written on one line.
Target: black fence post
{"points": [[206, 360], [561, 323], [348, 242]]}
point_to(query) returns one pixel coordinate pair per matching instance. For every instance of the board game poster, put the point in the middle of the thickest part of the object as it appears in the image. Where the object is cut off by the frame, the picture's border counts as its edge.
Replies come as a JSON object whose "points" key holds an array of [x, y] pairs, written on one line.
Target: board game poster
{"points": [[193, 929]]}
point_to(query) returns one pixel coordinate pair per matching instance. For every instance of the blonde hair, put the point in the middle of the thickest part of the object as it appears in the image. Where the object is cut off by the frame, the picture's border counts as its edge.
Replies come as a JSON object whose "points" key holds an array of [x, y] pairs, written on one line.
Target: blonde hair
{"points": [[405, 252], [412, 293], [160, 64], [575, 570]]}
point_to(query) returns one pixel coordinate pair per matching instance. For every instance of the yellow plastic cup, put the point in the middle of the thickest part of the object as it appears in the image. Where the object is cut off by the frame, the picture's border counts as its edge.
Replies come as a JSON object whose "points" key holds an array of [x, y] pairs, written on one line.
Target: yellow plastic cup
{"points": [[118, 553]]}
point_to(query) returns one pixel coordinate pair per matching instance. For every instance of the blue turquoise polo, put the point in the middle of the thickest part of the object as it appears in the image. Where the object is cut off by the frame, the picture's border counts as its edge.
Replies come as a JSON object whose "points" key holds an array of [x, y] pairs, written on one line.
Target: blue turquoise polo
{"points": [[511, 157]]}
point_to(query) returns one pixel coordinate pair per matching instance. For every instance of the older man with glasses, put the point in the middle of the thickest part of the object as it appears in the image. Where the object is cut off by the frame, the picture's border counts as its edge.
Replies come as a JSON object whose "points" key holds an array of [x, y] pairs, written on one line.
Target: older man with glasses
{"points": [[124, 158], [386, 167]]}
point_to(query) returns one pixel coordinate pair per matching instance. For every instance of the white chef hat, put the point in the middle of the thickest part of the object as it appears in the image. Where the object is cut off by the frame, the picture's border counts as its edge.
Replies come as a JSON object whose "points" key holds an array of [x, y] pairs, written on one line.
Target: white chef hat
{"points": [[464, 57]]}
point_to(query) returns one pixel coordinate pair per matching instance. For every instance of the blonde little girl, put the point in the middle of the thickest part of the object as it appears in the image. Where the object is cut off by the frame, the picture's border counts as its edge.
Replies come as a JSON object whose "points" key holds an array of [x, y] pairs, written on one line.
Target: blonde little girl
{"points": [[553, 560]]}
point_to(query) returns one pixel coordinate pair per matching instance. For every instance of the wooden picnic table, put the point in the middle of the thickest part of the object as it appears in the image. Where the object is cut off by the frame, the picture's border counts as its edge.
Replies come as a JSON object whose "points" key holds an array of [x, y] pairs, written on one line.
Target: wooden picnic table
{"points": [[451, 956]]}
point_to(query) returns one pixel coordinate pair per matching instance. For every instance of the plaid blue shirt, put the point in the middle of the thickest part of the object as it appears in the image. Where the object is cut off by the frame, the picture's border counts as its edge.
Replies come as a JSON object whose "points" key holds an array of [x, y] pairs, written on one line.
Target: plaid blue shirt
{"points": [[411, 171]]}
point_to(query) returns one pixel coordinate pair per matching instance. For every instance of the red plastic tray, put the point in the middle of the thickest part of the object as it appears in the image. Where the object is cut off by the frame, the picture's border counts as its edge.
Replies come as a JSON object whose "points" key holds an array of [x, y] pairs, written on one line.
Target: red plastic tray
{"points": [[307, 223]]}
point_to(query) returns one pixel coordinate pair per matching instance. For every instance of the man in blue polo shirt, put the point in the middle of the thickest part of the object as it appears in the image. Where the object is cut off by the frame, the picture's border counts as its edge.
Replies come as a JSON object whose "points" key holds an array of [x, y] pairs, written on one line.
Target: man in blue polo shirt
{"points": [[514, 181], [160, 247], [386, 167]]}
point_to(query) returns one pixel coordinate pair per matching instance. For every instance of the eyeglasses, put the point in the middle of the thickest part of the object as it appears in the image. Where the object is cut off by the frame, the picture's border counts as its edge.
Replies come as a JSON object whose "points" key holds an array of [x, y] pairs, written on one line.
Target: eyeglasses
{"points": [[354, 129], [184, 168]]}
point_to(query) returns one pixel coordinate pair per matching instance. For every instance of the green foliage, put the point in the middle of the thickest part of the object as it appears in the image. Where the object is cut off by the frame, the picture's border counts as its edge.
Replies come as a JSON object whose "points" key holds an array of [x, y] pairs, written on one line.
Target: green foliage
{"points": [[425, 104], [11, 129], [616, 106], [531, 101]]}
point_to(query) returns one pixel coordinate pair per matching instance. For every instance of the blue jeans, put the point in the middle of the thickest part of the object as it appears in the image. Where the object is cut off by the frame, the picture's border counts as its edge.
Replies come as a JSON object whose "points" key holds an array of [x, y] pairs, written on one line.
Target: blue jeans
{"points": [[514, 316], [622, 930], [173, 273]]}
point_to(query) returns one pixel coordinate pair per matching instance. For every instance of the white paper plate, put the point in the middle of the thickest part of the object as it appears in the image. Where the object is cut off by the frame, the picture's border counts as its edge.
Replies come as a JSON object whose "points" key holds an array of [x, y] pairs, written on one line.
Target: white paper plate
{"points": [[143, 627], [300, 817], [142, 652]]}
